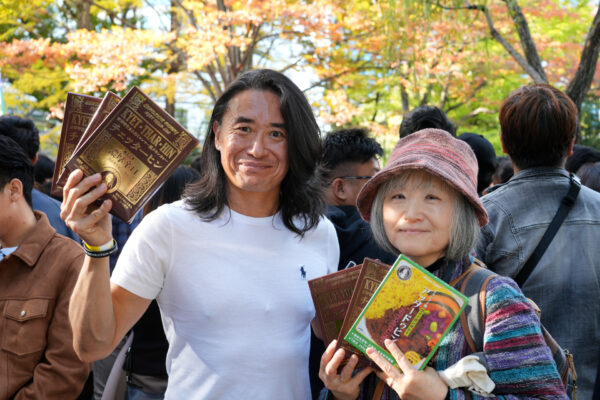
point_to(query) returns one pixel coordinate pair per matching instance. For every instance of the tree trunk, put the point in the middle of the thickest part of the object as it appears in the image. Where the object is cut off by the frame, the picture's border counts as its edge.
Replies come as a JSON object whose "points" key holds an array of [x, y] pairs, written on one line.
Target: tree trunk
{"points": [[84, 20], [404, 98], [527, 43], [584, 75], [175, 65]]}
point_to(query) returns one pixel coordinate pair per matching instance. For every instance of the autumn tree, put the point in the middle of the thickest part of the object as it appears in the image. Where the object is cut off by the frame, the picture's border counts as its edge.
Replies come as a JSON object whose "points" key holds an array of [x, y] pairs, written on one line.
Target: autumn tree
{"points": [[545, 64]]}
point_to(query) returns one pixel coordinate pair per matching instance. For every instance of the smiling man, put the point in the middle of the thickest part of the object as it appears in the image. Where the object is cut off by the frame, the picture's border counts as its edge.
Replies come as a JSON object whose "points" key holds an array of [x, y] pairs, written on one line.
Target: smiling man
{"points": [[229, 264]]}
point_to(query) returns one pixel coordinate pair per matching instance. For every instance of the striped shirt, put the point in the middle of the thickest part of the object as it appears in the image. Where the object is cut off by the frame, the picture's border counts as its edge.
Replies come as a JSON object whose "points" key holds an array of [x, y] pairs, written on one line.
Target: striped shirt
{"points": [[518, 359]]}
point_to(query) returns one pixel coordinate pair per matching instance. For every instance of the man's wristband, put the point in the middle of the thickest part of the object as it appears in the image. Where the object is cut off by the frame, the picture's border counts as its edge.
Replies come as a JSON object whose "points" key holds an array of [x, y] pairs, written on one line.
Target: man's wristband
{"points": [[101, 251]]}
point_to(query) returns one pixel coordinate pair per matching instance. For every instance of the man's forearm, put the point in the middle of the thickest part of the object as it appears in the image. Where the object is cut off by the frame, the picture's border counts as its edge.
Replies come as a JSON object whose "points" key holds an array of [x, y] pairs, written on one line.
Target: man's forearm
{"points": [[91, 311]]}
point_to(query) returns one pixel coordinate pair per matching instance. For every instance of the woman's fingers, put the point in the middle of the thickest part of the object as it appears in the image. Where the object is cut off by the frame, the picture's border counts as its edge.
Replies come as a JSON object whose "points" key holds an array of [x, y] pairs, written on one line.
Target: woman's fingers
{"points": [[387, 368], [400, 358], [346, 373], [362, 374], [332, 368]]}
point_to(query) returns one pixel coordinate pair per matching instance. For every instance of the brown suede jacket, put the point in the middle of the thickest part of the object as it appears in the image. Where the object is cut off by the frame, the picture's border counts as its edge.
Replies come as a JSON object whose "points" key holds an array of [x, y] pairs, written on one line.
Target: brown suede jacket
{"points": [[37, 360]]}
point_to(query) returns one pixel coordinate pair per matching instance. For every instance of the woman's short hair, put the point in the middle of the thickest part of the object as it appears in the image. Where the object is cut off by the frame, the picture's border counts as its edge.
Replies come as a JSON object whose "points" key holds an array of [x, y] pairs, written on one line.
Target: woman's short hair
{"points": [[464, 231]]}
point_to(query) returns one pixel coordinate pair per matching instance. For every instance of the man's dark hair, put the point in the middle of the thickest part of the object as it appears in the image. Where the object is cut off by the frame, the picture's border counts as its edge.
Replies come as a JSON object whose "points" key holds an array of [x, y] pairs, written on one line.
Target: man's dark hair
{"points": [[538, 123], [425, 117], [43, 168], [14, 164], [581, 155], [504, 170], [301, 194], [590, 175], [173, 187], [348, 146], [486, 158], [23, 131]]}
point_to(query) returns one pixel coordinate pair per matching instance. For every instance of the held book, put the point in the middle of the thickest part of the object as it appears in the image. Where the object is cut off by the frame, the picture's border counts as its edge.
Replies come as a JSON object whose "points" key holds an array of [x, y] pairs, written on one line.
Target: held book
{"points": [[331, 294], [135, 148], [371, 275], [109, 102], [79, 110], [411, 307]]}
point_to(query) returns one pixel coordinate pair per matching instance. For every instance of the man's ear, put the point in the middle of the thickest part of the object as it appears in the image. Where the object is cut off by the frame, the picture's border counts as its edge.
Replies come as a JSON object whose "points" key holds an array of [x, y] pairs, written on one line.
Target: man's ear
{"points": [[15, 189], [338, 189], [570, 150], [35, 159], [217, 130]]}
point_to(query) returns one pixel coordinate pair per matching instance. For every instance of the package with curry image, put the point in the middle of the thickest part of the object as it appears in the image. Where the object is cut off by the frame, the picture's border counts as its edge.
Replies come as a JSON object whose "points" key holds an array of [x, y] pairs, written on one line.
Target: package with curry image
{"points": [[412, 307]]}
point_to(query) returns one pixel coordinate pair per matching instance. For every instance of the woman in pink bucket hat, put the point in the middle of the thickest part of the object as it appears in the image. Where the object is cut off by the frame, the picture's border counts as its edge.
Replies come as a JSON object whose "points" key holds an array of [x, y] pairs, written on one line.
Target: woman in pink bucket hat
{"points": [[424, 204]]}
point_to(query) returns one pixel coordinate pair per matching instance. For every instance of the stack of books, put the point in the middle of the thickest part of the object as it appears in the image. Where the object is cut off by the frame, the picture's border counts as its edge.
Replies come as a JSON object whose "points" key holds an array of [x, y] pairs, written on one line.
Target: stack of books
{"points": [[132, 142], [364, 305]]}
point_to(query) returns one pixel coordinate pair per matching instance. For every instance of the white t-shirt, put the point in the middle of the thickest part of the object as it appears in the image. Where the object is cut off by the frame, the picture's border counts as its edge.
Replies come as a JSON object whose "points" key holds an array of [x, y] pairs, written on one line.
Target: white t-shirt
{"points": [[234, 299]]}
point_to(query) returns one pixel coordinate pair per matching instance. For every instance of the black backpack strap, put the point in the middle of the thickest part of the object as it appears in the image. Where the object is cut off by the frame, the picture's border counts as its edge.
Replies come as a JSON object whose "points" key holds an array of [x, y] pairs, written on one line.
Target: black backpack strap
{"points": [[474, 287], [565, 206]]}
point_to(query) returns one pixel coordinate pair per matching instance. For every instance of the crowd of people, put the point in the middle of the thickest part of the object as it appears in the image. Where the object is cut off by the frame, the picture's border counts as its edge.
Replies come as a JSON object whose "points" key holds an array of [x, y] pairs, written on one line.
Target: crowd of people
{"points": [[205, 295]]}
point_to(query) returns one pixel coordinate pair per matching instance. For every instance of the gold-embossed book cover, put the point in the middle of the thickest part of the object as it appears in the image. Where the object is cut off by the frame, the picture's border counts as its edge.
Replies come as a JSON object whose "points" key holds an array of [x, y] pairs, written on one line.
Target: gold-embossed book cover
{"points": [[331, 294], [109, 102], [79, 110], [135, 148], [371, 275]]}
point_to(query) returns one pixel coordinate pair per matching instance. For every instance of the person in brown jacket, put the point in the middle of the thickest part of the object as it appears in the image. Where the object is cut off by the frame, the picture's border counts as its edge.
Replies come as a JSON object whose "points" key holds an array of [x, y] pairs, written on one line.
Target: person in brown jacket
{"points": [[38, 270]]}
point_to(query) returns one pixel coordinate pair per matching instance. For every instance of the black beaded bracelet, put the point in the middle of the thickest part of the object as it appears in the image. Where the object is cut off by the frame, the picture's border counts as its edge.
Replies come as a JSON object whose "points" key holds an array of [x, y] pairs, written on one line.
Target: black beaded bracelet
{"points": [[101, 254]]}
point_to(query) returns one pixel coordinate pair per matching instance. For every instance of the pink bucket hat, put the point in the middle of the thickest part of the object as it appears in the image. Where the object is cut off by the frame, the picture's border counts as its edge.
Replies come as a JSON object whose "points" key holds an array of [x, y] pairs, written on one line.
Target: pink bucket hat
{"points": [[434, 151]]}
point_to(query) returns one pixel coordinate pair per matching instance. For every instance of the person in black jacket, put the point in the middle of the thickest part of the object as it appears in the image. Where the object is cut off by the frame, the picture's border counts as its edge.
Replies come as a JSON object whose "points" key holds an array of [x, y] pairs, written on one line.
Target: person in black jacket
{"points": [[349, 160]]}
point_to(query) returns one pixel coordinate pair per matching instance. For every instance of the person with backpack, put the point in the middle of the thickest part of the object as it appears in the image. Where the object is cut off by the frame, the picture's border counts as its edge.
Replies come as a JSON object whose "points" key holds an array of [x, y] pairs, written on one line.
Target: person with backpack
{"points": [[544, 226], [424, 204]]}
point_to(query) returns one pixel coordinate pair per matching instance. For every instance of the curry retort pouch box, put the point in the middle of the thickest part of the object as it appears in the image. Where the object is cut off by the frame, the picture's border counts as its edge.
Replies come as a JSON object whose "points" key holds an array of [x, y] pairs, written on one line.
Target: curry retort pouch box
{"points": [[412, 307]]}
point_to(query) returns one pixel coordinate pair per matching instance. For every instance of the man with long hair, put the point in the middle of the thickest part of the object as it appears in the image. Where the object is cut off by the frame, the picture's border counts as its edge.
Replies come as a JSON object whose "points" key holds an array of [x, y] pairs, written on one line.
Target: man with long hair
{"points": [[227, 265]]}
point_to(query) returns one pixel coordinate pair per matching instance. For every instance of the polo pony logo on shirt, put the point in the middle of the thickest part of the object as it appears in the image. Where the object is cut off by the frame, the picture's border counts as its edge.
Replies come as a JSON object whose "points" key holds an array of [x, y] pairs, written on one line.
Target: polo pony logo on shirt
{"points": [[302, 272]]}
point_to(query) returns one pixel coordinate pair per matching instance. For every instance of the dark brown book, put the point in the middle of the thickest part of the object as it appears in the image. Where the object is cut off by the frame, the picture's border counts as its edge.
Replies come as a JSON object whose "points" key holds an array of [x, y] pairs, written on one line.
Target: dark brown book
{"points": [[331, 295], [109, 102], [79, 110], [371, 275], [135, 148]]}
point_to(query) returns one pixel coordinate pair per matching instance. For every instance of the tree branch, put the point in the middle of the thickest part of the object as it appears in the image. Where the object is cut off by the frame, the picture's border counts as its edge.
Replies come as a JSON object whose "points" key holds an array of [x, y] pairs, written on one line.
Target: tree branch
{"points": [[531, 71], [333, 77], [189, 13], [477, 89], [527, 43], [584, 76], [206, 85]]}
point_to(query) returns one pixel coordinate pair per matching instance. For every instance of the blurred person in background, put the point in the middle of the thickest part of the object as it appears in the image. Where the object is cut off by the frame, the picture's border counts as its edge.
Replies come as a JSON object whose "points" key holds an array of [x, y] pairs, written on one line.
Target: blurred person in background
{"points": [[38, 271], [25, 133], [425, 117], [538, 128]]}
